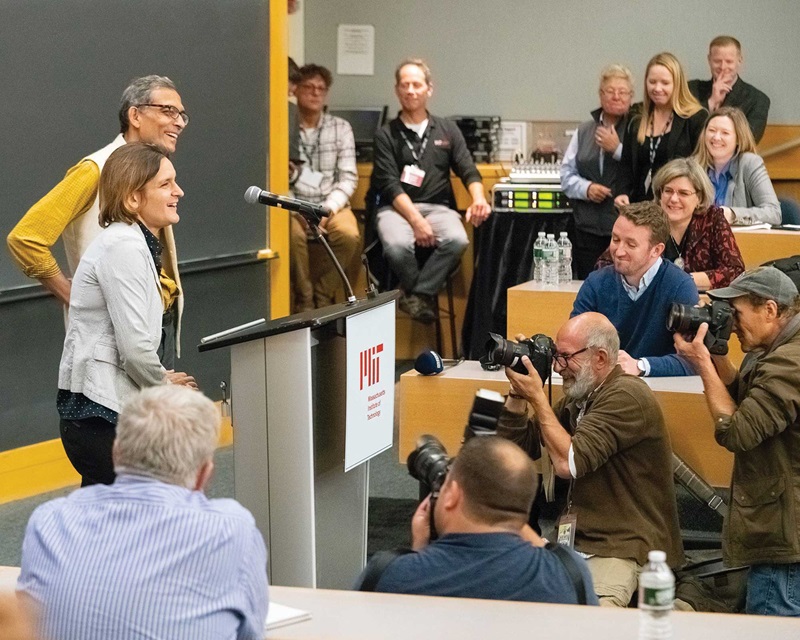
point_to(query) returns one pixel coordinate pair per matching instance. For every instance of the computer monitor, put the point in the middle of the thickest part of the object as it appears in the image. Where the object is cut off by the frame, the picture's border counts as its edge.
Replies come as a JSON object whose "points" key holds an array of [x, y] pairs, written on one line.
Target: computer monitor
{"points": [[365, 122]]}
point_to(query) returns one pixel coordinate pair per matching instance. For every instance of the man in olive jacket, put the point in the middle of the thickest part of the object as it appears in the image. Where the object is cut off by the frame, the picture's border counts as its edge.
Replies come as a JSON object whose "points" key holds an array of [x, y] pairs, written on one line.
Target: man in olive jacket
{"points": [[757, 416], [607, 436]]}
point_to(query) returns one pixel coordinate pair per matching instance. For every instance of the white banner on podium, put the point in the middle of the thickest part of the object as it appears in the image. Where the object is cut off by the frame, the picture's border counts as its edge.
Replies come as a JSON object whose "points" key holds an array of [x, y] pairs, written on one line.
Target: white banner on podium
{"points": [[370, 384]]}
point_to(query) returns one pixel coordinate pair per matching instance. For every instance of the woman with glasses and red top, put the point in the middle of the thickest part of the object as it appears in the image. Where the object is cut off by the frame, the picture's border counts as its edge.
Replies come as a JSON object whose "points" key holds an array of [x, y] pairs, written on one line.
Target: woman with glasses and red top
{"points": [[701, 241]]}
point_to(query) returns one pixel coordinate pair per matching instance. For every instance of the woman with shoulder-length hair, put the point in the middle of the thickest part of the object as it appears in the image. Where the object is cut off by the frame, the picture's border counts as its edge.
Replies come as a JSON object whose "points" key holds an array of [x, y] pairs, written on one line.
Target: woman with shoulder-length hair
{"points": [[115, 312], [668, 127], [701, 241], [727, 151]]}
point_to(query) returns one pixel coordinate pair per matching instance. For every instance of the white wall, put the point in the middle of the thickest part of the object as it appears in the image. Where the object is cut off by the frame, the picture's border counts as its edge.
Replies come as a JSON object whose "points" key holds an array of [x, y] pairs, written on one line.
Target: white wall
{"points": [[540, 60]]}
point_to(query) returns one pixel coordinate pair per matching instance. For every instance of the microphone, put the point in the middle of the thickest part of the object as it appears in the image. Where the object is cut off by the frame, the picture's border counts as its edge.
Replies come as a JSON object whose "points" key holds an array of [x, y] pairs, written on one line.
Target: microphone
{"points": [[430, 363], [254, 195]]}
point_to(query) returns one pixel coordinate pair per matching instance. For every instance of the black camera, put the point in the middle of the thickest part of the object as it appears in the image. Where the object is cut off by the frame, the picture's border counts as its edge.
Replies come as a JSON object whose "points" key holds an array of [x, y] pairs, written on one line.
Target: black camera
{"points": [[428, 464], [507, 353], [686, 320]]}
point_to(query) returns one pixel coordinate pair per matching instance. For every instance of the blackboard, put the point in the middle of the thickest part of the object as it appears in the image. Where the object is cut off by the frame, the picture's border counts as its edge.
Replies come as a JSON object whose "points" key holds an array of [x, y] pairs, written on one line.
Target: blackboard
{"points": [[64, 66]]}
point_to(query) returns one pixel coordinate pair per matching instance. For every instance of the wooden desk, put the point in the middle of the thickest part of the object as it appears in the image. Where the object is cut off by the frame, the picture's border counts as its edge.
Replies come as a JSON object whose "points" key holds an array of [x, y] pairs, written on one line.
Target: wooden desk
{"points": [[352, 615], [536, 308], [440, 405], [763, 245]]}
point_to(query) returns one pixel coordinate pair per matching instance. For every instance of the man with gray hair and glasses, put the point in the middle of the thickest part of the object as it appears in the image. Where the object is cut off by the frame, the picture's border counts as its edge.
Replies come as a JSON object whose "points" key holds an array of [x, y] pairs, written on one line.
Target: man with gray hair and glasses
{"points": [[756, 412], [150, 111], [607, 437], [149, 556]]}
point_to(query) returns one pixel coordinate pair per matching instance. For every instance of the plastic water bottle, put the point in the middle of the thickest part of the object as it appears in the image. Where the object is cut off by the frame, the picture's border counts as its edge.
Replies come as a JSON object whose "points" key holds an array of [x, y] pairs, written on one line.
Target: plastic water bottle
{"points": [[564, 258], [538, 250], [551, 261], [656, 598]]}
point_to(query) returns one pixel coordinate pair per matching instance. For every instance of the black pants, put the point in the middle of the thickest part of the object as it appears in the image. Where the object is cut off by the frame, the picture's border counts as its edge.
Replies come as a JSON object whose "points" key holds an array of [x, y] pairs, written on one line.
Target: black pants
{"points": [[167, 348], [586, 251], [88, 443]]}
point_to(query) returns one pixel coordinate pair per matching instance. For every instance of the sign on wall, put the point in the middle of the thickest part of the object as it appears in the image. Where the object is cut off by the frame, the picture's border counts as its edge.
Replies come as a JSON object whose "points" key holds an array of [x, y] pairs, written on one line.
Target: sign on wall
{"points": [[355, 50]]}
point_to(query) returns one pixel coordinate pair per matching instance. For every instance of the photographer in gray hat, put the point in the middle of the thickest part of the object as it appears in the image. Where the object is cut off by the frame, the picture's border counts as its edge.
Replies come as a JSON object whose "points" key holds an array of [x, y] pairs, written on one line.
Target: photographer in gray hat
{"points": [[757, 417]]}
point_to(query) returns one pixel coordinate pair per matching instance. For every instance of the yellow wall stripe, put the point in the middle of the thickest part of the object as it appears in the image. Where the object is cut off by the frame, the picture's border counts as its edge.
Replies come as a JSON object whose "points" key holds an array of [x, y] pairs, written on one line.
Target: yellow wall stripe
{"points": [[42, 467]]}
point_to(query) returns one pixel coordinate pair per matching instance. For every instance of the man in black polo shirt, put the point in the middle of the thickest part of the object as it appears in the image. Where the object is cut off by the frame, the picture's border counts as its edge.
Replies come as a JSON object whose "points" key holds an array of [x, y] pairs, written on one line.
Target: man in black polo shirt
{"points": [[411, 176]]}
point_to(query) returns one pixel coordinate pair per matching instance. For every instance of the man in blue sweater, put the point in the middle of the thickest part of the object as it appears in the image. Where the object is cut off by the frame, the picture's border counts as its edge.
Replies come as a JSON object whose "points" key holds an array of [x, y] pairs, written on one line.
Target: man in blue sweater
{"points": [[636, 293]]}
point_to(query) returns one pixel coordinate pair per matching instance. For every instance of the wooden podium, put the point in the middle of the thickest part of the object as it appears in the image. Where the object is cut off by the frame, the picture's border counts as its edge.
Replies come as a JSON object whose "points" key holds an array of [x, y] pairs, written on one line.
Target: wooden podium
{"points": [[289, 413]]}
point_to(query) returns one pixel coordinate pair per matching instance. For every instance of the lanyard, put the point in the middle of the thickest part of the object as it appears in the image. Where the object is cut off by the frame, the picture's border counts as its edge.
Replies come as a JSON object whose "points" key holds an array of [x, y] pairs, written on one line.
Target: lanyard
{"points": [[312, 150], [425, 136], [655, 141]]}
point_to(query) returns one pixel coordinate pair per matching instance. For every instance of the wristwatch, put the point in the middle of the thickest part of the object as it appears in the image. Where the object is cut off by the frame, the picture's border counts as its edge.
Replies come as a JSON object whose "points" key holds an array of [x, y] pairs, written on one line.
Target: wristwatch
{"points": [[640, 366]]}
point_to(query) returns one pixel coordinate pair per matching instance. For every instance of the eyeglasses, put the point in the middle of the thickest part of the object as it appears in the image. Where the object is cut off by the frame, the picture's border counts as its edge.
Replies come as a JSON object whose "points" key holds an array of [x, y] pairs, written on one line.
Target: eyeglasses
{"points": [[615, 93], [562, 359], [681, 193], [168, 110], [313, 88]]}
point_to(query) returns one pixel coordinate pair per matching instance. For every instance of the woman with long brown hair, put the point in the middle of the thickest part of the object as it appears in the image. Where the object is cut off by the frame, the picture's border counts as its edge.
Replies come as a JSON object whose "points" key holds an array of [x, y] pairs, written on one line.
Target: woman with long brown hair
{"points": [[668, 127]]}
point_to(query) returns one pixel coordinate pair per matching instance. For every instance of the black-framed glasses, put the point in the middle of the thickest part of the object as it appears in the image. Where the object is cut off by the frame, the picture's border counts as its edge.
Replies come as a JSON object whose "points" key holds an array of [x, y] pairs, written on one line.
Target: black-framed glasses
{"points": [[562, 359], [168, 110]]}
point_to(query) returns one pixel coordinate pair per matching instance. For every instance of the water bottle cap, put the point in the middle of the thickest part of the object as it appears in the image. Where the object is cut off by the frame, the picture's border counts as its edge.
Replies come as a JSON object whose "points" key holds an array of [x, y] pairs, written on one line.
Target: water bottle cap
{"points": [[563, 234], [657, 556], [541, 234], [551, 235]]}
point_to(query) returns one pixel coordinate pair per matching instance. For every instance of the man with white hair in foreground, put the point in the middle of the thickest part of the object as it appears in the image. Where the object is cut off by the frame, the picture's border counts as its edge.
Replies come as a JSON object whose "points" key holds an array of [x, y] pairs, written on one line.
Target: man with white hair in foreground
{"points": [[149, 556]]}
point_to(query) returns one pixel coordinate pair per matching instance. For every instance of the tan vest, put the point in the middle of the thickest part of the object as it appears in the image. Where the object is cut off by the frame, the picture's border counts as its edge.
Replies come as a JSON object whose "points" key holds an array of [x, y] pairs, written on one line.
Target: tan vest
{"points": [[80, 233]]}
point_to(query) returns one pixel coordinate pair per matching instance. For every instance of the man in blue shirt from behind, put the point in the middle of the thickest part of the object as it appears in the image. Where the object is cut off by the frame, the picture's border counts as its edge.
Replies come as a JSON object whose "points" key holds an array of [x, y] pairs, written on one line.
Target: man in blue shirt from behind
{"points": [[149, 556], [637, 291], [480, 513]]}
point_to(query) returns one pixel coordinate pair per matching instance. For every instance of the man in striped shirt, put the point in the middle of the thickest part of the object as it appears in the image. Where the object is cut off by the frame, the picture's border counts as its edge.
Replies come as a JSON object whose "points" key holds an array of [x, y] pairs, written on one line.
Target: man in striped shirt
{"points": [[328, 177], [149, 556]]}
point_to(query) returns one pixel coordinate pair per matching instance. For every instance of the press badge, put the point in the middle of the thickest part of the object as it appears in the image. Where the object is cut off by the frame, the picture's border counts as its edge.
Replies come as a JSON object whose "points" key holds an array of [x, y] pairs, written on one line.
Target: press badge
{"points": [[412, 175], [567, 525], [310, 178]]}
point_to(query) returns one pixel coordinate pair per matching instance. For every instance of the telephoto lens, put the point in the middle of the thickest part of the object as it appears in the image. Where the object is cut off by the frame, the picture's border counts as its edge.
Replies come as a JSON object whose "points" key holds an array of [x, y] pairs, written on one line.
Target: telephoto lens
{"points": [[428, 463], [507, 353], [686, 320]]}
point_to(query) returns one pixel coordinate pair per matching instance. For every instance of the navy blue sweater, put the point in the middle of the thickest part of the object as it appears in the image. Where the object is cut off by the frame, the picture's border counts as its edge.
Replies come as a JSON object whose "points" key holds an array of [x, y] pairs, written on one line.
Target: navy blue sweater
{"points": [[642, 325]]}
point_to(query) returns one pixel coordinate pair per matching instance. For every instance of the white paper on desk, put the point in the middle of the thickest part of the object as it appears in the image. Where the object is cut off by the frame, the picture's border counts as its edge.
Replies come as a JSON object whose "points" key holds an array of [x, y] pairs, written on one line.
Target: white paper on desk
{"points": [[753, 227], [279, 615]]}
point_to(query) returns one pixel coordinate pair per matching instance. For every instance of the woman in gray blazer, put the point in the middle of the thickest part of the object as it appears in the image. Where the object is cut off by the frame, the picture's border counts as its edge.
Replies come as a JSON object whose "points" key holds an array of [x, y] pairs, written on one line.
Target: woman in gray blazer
{"points": [[726, 149], [114, 329]]}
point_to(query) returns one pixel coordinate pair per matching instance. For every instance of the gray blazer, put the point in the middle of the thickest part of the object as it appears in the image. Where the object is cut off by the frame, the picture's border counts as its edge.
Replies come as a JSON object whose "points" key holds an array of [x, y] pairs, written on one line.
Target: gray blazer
{"points": [[114, 329], [750, 193]]}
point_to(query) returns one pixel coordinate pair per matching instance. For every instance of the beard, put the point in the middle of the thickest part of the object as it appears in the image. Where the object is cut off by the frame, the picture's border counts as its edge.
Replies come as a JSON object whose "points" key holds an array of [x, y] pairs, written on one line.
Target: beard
{"points": [[581, 385]]}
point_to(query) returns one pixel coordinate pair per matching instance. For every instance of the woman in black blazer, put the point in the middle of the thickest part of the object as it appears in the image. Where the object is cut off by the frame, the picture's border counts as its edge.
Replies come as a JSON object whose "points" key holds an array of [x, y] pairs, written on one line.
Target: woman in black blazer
{"points": [[668, 127]]}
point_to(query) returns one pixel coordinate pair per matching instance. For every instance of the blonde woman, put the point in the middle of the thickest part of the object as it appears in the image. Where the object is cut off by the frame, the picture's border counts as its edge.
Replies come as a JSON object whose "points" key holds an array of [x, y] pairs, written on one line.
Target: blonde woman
{"points": [[727, 152], [668, 127]]}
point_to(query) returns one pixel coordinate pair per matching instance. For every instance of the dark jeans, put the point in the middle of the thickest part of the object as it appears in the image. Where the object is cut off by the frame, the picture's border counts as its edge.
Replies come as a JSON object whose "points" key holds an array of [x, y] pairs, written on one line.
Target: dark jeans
{"points": [[774, 590], [88, 443], [586, 251], [166, 350]]}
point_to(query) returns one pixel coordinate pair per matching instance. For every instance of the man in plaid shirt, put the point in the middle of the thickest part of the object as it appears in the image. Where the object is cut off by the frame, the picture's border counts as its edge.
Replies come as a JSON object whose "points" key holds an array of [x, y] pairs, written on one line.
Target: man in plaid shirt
{"points": [[327, 177]]}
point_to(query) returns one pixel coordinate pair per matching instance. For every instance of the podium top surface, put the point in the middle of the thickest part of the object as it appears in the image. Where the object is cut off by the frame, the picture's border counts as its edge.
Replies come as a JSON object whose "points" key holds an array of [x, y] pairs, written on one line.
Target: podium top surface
{"points": [[313, 319]]}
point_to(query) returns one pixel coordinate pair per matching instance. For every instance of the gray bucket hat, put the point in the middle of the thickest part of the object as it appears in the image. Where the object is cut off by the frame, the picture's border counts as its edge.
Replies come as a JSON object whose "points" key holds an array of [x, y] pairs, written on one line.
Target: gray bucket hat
{"points": [[765, 282]]}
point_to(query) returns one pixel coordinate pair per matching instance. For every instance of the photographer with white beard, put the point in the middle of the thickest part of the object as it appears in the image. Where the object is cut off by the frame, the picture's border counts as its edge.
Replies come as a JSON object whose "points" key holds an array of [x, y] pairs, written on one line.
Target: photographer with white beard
{"points": [[607, 437]]}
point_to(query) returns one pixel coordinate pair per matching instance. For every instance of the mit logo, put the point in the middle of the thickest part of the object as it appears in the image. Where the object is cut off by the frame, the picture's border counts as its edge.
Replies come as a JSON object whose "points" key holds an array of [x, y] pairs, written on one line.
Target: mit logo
{"points": [[370, 366]]}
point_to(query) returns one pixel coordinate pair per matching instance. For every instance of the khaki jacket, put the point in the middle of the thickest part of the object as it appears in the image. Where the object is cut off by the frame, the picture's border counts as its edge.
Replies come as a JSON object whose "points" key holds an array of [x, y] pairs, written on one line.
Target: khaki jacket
{"points": [[764, 435]]}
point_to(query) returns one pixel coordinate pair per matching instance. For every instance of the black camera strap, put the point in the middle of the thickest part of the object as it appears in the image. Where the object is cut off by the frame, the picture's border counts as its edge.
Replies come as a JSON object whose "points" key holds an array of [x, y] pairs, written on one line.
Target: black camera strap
{"points": [[378, 564], [572, 569]]}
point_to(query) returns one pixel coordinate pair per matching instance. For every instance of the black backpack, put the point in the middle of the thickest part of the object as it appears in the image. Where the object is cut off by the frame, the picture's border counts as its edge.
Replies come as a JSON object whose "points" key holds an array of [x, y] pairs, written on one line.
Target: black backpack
{"points": [[790, 266]]}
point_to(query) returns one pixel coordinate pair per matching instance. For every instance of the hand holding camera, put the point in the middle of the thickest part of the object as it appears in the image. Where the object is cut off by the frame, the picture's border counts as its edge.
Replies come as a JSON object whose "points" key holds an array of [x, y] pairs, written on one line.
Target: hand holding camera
{"points": [[717, 316]]}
